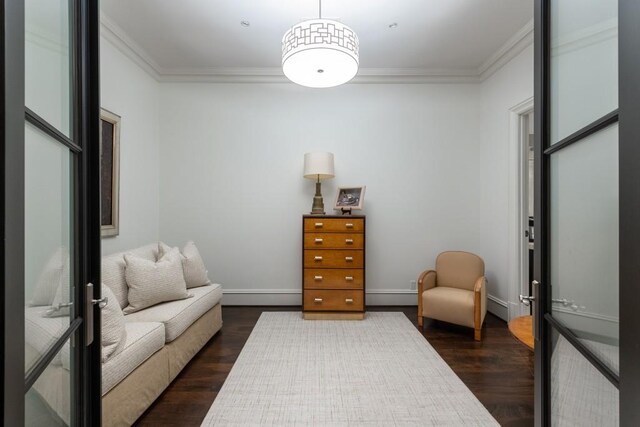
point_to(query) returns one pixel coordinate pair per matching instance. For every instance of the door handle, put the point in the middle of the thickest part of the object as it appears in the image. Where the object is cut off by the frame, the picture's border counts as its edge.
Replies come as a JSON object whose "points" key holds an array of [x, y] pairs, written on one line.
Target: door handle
{"points": [[536, 297], [527, 300]]}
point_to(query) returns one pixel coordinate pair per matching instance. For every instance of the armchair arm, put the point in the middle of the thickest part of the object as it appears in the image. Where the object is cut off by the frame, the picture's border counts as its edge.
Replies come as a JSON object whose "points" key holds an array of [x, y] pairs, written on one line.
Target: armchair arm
{"points": [[426, 281], [480, 304]]}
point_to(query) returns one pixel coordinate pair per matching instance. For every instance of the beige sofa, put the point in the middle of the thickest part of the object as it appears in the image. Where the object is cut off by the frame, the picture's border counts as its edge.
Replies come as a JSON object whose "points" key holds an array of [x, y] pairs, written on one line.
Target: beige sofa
{"points": [[160, 341]]}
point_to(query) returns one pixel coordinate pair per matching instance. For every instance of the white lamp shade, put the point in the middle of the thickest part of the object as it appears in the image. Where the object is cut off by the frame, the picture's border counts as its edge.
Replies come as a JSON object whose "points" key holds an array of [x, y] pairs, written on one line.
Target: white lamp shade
{"points": [[318, 165], [320, 53]]}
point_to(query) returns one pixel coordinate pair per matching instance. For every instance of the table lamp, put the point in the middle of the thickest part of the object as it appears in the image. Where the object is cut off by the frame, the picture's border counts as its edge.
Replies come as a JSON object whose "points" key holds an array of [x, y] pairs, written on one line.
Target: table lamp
{"points": [[318, 166]]}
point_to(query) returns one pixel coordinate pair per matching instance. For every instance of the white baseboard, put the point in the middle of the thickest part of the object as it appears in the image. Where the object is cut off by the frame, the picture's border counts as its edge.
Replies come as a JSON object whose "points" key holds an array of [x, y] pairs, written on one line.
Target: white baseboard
{"points": [[498, 307], [294, 297], [392, 297], [495, 305]]}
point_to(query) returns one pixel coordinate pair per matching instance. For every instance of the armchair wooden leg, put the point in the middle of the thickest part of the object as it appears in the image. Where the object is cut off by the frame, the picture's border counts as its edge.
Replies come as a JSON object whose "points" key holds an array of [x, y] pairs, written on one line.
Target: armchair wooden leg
{"points": [[477, 334], [420, 320]]}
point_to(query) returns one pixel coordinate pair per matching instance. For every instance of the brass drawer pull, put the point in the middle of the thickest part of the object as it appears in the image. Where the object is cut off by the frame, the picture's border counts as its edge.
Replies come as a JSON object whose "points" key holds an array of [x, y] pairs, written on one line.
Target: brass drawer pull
{"points": [[317, 300], [317, 277], [348, 258], [349, 225], [348, 278], [319, 224], [349, 300], [318, 240], [317, 258], [348, 241]]}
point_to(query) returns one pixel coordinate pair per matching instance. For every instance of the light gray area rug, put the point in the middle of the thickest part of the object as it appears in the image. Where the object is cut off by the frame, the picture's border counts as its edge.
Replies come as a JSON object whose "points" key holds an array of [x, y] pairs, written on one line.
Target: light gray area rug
{"points": [[376, 372]]}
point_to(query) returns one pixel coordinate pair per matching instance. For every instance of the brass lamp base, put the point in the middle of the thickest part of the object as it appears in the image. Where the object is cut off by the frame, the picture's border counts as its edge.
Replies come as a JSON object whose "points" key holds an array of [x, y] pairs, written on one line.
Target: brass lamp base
{"points": [[318, 204]]}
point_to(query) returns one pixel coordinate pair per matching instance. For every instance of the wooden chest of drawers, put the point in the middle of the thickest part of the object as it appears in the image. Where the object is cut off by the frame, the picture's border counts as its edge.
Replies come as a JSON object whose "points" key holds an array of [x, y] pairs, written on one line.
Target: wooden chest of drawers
{"points": [[333, 274]]}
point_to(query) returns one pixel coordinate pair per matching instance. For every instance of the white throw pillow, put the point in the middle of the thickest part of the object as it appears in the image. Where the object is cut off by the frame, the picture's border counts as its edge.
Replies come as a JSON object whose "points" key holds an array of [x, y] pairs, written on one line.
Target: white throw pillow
{"points": [[195, 272], [114, 334], [50, 278], [60, 304], [151, 283]]}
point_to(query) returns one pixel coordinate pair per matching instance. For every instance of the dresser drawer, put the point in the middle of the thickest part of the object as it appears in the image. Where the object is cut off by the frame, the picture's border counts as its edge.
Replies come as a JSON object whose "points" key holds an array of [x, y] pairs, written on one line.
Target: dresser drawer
{"points": [[336, 258], [333, 240], [334, 225], [339, 300], [335, 278]]}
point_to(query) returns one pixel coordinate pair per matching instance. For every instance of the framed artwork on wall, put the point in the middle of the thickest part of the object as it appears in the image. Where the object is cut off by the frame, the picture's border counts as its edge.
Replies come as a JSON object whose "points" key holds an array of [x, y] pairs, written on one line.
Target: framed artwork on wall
{"points": [[109, 173], [349, 198]]}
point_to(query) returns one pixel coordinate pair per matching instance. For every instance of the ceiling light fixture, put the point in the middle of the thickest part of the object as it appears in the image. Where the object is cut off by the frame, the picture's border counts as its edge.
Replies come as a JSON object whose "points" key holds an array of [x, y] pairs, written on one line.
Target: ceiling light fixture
{"points": [[245, 23], [320, 53]]}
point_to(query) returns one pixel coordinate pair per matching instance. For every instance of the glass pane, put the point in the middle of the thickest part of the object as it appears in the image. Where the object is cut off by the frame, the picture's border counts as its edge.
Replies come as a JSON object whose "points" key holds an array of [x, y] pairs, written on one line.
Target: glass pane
{"points": [[584, 63], [580, 394], [48, 243], [47, 61], [48, 402], [584, 241]]}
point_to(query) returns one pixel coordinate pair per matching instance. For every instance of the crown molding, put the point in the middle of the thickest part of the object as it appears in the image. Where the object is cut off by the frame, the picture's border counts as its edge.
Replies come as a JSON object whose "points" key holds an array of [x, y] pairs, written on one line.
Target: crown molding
{"points": [[602, 31], [118, 37], [275, 75], [512, 48]]}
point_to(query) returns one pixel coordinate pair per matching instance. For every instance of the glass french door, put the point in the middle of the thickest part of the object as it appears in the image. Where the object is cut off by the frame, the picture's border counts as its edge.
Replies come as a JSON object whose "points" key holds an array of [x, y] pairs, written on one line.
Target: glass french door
{"points": [[51, 213], [585, 196]]}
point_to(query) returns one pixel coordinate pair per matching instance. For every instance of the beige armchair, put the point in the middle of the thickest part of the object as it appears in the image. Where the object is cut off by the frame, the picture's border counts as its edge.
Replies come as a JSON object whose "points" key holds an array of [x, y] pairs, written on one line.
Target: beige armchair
{"points": [[455, 292]]}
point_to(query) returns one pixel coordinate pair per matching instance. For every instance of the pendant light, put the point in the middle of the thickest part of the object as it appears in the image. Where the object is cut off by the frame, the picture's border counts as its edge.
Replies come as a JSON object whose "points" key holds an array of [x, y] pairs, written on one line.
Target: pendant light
{"points": [[320, 53]]}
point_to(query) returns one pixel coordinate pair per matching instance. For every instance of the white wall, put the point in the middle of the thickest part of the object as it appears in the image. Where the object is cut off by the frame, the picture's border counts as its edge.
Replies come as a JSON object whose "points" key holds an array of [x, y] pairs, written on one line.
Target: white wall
{"points": [[131, 93], [509, 86], [47, 173], [222, 164], [231, 158]]}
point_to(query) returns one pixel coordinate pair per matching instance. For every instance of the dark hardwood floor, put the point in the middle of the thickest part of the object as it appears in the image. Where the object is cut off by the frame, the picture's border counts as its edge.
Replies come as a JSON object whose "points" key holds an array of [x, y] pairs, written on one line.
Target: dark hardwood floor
{"points": [[498, 370]]}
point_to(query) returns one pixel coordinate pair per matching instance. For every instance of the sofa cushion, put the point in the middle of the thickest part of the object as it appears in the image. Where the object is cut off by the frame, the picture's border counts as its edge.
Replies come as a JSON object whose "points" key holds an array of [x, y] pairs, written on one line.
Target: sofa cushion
{"points": [[177, 316], [151, 283], [195, 272], [143, 340], [50, 278], [41, 332], [449, 305], [113, 270], [114, 333], [60, 304]]}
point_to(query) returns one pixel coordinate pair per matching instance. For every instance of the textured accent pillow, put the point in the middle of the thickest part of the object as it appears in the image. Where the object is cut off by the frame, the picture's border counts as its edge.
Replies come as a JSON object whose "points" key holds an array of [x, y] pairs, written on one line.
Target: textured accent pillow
{"points": [[114, 334], [60, 305], [151, 283], [50, 278], [195, 273]]}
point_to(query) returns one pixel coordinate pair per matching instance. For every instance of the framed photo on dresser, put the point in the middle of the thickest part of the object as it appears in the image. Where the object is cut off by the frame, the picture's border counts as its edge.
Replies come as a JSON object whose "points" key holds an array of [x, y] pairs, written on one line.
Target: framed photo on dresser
{"points": [[349, 198]]}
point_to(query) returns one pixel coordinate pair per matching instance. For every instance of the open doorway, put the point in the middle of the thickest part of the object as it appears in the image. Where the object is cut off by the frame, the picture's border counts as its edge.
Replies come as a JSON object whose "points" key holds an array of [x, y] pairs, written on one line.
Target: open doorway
{"points": [[521, 211], [527, 200]]}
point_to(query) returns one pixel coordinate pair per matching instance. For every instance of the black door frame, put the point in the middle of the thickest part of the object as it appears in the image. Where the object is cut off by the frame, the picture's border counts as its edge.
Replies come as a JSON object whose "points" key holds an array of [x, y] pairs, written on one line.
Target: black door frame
{"points": [[629, 100], [628, 118], [86, 171], [12, 188]]}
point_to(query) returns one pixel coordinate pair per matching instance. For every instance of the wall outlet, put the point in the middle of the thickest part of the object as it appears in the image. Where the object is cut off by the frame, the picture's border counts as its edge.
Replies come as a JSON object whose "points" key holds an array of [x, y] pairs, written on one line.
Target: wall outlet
{"points": [[412, 285]]}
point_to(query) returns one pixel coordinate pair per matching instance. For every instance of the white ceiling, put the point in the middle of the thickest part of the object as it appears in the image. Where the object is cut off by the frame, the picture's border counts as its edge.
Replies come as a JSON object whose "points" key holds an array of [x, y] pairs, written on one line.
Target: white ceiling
{"points": [[454, 37]]}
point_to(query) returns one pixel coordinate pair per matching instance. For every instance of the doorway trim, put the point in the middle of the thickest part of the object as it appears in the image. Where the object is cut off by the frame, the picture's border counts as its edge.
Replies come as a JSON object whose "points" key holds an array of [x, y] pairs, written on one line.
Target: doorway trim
{"points": [[516, 222]]}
